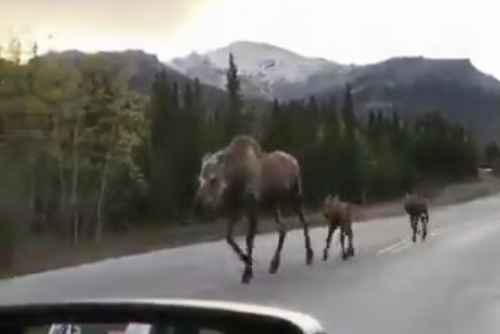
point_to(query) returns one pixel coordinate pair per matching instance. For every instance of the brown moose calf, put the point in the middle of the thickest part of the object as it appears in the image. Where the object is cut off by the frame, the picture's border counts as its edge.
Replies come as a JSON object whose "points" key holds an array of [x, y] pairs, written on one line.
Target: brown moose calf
{"points": [[417, 208], [339, 215]]}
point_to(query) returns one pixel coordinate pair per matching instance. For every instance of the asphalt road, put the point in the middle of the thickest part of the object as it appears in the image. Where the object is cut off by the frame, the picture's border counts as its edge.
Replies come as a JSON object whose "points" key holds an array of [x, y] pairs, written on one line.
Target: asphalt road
{"points": [[449, 284]]}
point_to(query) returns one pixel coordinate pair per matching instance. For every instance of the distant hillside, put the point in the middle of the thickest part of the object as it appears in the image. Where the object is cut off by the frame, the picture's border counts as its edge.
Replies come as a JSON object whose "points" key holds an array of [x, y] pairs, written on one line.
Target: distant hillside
{"points": [[141, 68], [410, 84], [413, 85], [266, 71]]}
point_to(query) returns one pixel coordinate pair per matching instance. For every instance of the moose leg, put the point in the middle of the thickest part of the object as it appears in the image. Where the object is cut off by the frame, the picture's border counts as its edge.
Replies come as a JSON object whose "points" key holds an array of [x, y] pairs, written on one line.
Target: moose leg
{"points": [[350, 236], [305, 226], [275, 262], [414, 227], [342, 243], [331, 230], [425, 222], [230, 238], [252, 230]]}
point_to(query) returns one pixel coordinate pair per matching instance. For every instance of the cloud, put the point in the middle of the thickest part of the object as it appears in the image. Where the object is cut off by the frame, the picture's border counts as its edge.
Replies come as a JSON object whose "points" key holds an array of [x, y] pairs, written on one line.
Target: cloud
{"points": [[357, 31], [97, 24]]}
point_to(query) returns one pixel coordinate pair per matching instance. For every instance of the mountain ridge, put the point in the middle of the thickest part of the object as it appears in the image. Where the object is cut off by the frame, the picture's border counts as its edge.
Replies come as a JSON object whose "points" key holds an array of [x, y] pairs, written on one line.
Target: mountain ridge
{"points": [[140, 68], [262, 66], [408, 84]]}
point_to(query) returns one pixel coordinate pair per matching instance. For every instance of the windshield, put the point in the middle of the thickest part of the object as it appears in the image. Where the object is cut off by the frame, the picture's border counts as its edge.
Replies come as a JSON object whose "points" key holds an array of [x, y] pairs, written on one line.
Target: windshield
{"points": [[338, 159]]}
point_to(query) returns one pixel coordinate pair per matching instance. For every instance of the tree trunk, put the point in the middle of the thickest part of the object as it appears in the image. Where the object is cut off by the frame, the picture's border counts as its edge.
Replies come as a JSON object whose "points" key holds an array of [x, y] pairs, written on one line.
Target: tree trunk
{"points": [[60, 162], [64, 221], [32, 186], [62, 182], [75, 179], [104, 185], [100, 202], [76, 222]]}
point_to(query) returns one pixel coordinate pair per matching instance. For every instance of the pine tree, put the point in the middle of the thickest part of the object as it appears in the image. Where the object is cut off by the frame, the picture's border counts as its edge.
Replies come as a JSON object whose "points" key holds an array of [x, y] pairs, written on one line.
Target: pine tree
{"points": [[313, 107], [380, 119], [312, 121], [234, 118], [492, 153], [160, 122], [395, 120], [188, 97], [351, 155], [174, 97], [371, 120], [159, 110], [348, 113], [197, 94], [271, 140], [329, 149], [189, 126], [169, 127]]}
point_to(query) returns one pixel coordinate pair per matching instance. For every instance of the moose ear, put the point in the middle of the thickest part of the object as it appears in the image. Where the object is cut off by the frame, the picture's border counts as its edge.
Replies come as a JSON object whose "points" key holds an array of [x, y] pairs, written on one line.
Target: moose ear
{"points": [[336, 197]]}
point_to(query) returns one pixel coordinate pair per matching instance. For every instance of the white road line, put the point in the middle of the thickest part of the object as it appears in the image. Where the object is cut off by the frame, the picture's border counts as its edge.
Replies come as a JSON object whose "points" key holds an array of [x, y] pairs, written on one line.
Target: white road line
{"points": [[439, 231], [391, 247], [401, 247], [406, 243]]}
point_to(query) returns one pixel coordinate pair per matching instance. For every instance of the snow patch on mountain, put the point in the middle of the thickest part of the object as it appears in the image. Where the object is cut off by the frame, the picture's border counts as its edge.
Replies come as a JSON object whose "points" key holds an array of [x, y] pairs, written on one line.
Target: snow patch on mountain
{"points": [[262, 67]]}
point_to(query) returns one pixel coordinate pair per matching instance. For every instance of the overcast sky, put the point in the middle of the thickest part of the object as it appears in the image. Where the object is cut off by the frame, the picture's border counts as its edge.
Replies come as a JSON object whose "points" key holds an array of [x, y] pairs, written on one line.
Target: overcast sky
{"points": [[348, 31]]}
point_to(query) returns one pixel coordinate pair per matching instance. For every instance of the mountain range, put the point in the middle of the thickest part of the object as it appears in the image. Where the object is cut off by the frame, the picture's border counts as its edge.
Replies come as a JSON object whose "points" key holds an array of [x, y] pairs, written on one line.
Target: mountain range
{"points": [[410, 85], [139, 68], [266, 71]]}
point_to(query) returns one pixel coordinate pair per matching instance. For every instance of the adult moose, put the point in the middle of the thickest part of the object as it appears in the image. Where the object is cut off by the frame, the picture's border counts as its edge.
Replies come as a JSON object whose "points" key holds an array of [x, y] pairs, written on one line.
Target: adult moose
{"points": [[241, 178], [338, 214], [416, 207]]}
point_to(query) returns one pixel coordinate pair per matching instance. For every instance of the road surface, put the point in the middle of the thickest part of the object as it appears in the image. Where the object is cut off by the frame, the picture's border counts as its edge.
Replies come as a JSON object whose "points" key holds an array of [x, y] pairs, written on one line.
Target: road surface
{"points": [[449, 284]]}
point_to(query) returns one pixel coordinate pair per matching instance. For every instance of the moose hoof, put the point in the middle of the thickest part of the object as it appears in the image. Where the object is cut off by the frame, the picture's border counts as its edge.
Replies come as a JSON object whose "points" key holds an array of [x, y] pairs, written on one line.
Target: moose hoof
{"points": [[351, 252], [275, 264], [414, 238], [309, 257], [247, 275], [345, 256], [325, 255], [246, 259]]}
